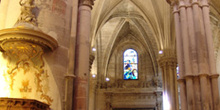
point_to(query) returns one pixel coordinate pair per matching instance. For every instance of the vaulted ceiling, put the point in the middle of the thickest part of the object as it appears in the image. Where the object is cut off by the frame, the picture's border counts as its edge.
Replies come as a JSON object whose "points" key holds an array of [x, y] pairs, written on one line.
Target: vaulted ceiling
{"points": [[150, 20], [148, 24]]}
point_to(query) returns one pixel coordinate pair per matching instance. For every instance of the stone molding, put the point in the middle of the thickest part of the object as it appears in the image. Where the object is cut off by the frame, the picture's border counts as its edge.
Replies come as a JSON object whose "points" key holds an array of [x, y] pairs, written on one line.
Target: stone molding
{"points": [[27, 35], [22, 104], [133, 98], [198, 75], [89, 3], [190, 3]]}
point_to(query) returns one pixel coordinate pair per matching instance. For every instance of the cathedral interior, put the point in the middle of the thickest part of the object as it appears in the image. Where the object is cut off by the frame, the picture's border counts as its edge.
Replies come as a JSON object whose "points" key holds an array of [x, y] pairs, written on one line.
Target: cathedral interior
{"points": [[109, 54]]}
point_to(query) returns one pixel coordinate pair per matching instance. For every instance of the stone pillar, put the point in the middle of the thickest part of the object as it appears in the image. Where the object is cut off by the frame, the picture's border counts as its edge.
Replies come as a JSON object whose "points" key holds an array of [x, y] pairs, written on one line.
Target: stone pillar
{"points": [[198, 76], [69, 76], [168, 64], [82, 56]]}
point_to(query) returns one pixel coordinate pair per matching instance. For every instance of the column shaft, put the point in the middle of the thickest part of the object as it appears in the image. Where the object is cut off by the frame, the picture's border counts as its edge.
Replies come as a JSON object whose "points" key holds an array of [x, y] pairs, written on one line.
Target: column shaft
{"points": [[202, 54], [180, 59], [214, 82], [186, 52], [82, 58], [184, 35]]}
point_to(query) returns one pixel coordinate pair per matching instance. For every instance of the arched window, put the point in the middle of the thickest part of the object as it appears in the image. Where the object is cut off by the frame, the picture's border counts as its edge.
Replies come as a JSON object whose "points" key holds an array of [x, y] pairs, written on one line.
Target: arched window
{"points": [[130, 58]]}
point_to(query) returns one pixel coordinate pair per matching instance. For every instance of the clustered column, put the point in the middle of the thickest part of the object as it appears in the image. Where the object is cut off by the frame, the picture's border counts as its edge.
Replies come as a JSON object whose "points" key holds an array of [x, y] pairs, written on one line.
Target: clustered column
{"points": [[168, 64], [198, 76], [81, 92]]}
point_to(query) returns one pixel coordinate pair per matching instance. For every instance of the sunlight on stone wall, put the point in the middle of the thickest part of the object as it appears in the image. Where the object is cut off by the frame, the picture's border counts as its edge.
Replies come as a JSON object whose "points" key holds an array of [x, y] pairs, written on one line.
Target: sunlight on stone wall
{"points": [[14, 10], [4, 83], [166, 103]]}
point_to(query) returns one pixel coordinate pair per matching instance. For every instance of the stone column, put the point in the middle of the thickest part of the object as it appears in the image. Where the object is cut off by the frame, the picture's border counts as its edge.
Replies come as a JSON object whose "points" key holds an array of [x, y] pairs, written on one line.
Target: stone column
{"points": [[82, 56], [198, 77], [168, 64]]}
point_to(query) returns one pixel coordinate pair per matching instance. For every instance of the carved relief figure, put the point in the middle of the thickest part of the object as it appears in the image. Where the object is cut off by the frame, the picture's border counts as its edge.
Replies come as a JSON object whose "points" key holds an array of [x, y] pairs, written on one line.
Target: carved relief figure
{"points": [[26, 12]]}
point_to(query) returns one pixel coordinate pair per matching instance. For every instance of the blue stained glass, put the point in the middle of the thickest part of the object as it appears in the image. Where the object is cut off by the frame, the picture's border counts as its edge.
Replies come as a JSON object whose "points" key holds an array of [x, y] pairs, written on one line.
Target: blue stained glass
{"points": [[130, 64]]}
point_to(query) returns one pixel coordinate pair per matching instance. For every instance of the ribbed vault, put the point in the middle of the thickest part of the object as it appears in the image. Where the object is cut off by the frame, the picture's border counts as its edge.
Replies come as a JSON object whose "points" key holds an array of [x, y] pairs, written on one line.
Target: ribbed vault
{"points": [[148, 23], [144, 25]]}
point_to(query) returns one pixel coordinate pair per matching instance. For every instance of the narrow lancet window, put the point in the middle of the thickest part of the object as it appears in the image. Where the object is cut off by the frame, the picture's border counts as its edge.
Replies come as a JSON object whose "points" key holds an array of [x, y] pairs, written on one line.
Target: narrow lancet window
{"points": [[130, 58]]}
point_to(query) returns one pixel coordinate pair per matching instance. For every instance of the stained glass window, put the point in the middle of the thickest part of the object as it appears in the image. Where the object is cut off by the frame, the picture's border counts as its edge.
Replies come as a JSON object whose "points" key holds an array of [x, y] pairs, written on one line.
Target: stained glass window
{"points": [[130, 64]]}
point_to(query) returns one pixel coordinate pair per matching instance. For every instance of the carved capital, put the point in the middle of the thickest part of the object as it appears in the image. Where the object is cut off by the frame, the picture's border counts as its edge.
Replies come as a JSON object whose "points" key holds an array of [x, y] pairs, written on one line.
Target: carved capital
{"points": [[189, 77], [168, 61], [203, 75], [89, 3], [181, 80], [172, 2], [214, 76], [168, 58]]}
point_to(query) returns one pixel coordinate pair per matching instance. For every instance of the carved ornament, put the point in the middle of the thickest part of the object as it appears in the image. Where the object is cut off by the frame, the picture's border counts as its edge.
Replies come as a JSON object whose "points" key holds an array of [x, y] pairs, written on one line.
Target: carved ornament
{"points": [[25, 67], [22, 104], [26, 12], [168, 61], [23, 47]]}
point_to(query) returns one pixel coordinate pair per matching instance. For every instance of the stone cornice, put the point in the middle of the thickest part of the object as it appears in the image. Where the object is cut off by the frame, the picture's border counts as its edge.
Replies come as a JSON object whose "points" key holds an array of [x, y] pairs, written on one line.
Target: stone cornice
{"points": [[89, 3]]}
